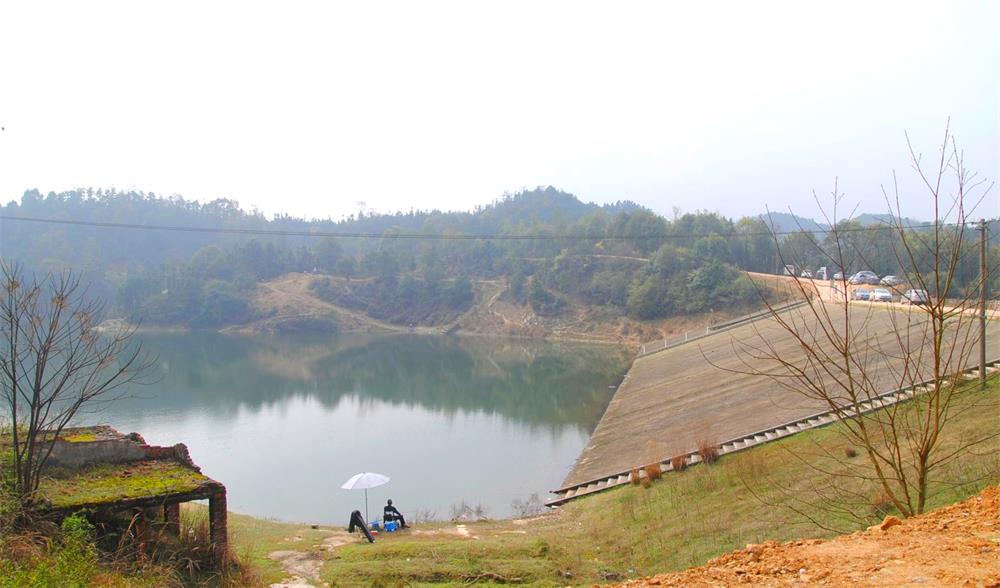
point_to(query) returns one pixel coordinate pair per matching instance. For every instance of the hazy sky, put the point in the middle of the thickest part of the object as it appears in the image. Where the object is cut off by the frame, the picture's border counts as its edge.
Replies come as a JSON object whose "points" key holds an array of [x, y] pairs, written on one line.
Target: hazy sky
{"points": [[310, 108]]}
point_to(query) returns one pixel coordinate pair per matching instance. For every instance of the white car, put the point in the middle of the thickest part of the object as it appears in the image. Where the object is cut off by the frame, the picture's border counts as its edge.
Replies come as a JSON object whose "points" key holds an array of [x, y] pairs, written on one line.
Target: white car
{"points": [[881, 295]]}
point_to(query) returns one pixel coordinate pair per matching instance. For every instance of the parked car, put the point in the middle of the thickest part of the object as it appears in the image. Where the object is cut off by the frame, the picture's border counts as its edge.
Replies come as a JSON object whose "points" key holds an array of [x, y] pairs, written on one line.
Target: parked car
{"points": [[861, 294], [891, 281], [915, 297], [806, 274], [839, 276], [880, 295], [864, 277]]}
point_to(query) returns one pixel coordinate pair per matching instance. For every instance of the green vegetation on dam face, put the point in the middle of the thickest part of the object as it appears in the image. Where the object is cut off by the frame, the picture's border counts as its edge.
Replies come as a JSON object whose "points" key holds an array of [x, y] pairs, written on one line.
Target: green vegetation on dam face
{"points": [[284, 421]]}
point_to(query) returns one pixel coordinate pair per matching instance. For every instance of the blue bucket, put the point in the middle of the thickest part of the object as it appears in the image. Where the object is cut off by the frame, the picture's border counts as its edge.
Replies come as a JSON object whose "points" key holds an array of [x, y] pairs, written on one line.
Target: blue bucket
{"points": [[390, 526]]}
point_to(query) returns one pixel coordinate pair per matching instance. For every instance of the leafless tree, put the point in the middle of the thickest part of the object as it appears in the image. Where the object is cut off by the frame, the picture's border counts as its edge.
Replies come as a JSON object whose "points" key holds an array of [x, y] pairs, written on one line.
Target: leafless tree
{"points": [[851, 355], [54, 363]]}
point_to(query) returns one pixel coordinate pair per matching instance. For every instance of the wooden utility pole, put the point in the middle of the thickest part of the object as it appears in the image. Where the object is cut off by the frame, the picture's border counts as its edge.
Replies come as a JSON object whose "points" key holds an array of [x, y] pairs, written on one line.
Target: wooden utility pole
{"points": [[983, 287]]}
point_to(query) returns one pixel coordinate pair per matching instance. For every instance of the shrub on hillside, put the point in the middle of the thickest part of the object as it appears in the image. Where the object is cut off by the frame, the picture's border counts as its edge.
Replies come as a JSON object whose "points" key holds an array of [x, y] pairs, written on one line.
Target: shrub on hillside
{"points": [[72, 560], [708, 451], [517, 287], [528, 507], [463, 511], [543, 302], [405, 300], [679, 463]]}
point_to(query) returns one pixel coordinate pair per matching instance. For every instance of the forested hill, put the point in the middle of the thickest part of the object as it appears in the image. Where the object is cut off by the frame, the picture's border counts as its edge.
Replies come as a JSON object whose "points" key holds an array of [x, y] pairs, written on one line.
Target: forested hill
{"points": [[59, 245], [620, 257]]}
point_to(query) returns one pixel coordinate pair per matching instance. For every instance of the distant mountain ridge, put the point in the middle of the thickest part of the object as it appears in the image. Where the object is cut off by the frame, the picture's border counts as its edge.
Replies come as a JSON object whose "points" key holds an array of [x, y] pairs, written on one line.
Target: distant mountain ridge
{"points": [[784, 222]]}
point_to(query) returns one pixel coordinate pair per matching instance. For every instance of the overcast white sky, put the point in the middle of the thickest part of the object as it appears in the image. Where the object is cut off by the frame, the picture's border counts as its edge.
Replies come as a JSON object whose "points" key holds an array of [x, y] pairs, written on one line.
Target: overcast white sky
{"points": [[309, 108]]}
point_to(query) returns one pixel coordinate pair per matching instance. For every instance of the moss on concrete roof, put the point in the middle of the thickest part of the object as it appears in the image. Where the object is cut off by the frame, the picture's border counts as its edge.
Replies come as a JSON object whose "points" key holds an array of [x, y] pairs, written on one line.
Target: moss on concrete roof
{"points": [[87, 434], [81, 437], [109, 483]]}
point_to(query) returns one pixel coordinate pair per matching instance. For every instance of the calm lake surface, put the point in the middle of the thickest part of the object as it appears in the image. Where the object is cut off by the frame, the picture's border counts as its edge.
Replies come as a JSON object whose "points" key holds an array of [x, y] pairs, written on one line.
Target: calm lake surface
{"points": [[284, 421]]}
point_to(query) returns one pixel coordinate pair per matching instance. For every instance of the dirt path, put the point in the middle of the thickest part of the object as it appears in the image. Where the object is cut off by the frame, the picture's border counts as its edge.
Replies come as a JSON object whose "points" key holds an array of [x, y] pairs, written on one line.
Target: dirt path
{"points": [[957, 545], [458, 530], [594, 255], [303, 567]]}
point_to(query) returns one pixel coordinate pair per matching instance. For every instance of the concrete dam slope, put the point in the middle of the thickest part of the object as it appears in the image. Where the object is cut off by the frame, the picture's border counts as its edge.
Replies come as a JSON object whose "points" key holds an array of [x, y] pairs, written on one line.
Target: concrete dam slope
{"points": [[672, 401]]}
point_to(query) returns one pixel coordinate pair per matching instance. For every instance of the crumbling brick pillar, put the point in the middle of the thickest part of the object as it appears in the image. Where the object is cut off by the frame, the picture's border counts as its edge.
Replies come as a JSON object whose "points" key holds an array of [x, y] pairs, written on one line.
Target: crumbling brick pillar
{"points": [[172, 518], [218, 527], [140, 527]]}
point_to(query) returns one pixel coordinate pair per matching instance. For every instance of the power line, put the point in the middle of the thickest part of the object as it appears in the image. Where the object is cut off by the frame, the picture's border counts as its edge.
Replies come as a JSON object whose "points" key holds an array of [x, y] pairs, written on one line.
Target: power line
{"points": [[443, 237]]}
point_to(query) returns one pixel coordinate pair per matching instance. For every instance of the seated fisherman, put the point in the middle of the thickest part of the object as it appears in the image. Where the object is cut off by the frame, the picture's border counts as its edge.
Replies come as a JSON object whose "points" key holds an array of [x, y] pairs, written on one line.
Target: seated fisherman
{"points": [[391, 513]]}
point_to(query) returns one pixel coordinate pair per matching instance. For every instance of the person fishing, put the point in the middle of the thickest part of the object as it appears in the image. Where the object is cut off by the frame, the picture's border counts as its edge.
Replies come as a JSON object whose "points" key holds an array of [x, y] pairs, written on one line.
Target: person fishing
{"points": [[391, 513]]}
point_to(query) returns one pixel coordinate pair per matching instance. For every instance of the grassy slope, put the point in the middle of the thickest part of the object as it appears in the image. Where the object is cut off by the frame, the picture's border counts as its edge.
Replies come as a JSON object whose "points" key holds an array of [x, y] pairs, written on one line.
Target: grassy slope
{"points": [[681, 521]]}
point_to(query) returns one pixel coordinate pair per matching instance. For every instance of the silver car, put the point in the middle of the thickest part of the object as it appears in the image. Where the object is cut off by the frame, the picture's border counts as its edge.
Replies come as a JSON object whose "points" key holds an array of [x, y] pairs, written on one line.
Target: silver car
{"points": [[915, 297], [864, 277], [880, 295]]}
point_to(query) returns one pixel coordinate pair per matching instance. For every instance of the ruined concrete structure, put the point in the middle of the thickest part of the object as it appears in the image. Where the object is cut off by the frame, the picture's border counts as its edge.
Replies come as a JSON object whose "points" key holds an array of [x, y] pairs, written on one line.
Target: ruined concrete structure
{"points": [[101, 469]]}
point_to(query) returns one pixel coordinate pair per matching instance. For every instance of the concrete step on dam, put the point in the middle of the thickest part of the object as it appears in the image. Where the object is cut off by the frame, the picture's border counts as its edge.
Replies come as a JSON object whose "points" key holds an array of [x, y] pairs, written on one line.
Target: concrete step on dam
{"points": [[672, 401]]}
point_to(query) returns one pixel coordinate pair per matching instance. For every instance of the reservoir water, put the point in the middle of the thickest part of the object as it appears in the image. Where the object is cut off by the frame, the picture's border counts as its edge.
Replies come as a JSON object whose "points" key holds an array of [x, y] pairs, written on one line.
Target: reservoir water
{"points": [[284, 421]]}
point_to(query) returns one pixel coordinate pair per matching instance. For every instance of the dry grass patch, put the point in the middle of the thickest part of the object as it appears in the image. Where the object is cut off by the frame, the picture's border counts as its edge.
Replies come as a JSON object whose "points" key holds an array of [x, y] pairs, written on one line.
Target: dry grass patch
{"points": [[881, 504], [679, 463], [708, 451]]}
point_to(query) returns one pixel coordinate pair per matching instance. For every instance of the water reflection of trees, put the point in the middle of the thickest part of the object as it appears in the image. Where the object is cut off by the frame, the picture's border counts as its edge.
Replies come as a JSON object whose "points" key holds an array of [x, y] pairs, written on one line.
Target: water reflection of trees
{"points": [[537, 383]]}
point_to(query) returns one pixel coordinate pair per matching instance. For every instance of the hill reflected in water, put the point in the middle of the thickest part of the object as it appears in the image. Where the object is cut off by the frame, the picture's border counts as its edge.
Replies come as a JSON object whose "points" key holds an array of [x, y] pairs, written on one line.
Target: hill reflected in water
{"points": [[537, 383]]}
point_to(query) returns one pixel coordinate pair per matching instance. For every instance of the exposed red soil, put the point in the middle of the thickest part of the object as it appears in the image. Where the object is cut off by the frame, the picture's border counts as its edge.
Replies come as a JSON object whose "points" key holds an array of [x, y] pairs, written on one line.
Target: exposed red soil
{"points": [[958, 545]]}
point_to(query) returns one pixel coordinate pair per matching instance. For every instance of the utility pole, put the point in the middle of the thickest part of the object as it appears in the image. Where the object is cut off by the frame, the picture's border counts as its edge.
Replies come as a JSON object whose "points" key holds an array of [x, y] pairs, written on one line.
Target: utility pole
{"points": [[983, 287]]}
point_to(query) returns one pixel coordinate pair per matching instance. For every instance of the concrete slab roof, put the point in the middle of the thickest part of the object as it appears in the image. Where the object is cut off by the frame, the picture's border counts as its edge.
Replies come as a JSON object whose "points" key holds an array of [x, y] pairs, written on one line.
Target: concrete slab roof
{"points": [[101, 468]]}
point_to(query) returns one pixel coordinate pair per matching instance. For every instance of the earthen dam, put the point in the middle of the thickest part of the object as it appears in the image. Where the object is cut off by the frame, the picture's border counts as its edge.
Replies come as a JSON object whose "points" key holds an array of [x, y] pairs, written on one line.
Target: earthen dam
{"points": [[672, 401]]}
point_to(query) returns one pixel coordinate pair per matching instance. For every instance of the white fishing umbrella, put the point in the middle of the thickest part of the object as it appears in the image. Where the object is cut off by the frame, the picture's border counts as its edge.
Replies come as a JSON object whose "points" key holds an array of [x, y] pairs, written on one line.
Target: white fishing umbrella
{"points": [[364, 481]]}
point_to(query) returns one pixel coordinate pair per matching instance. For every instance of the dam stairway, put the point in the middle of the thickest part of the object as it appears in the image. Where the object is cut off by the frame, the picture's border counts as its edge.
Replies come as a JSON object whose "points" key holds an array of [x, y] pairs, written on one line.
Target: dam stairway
{"points": [[820, 419]]}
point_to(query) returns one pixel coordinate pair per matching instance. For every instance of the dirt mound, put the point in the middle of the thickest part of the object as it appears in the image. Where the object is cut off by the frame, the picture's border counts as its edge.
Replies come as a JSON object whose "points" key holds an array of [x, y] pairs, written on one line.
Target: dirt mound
{"points": [[288, 304], [957, 545]]}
